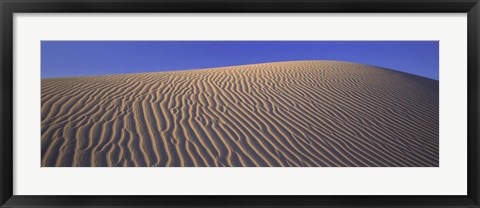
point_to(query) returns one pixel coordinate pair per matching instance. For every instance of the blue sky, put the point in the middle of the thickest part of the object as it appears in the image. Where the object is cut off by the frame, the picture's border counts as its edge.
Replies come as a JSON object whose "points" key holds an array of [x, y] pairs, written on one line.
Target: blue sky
{"points": [[87, 58]]}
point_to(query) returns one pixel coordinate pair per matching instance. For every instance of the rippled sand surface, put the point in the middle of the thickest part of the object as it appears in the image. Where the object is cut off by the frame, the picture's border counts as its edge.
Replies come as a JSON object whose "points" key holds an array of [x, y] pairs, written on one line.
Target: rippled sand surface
{"points": [[294, 114]]}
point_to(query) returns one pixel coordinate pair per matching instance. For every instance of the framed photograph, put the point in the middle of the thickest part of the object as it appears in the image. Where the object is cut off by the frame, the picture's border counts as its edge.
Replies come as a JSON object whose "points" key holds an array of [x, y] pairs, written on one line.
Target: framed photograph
{"points": [[268, 103]]}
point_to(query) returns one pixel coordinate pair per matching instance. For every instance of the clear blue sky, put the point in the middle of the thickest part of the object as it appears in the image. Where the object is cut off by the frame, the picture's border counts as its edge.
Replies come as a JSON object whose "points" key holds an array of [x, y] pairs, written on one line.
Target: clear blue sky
{"points": [[85, 58]]}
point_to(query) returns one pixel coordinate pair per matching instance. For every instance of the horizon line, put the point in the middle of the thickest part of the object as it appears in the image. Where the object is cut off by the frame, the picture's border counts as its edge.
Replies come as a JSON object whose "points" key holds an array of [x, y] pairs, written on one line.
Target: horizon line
{"points": [[247, 64]]}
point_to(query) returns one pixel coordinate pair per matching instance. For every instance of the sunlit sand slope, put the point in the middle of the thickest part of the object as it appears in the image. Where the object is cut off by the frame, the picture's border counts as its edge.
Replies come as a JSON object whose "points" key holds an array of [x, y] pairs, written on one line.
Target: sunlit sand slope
{"points": [[303, 113]]}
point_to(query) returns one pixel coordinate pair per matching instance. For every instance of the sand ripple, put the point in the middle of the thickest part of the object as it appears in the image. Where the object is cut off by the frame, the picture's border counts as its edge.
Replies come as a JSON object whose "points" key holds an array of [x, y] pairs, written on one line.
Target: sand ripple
{"points": [[302, 113]]}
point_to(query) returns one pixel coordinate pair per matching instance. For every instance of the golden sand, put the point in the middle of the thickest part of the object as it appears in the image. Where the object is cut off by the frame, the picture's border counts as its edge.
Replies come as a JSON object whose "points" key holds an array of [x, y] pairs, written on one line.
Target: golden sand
{"points": [[301, 113]]}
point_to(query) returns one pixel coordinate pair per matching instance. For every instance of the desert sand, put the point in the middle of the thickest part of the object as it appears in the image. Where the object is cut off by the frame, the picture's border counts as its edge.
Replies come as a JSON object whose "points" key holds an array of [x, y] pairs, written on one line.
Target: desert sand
{"points": [[292, 114]]}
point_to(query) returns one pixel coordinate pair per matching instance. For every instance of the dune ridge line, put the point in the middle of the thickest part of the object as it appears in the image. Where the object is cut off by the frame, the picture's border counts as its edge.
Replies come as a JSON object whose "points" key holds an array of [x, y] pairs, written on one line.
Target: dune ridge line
{"points": [[280, 114]]}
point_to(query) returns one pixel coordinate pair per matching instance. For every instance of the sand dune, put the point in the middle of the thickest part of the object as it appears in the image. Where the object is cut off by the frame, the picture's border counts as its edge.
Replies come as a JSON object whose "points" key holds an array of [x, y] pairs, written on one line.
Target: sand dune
{"points": [[302, 113]]}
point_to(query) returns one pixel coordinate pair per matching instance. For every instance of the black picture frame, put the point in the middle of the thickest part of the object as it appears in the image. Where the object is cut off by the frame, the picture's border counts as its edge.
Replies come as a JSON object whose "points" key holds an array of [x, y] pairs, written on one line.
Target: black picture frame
{"points": [[9, 7]]}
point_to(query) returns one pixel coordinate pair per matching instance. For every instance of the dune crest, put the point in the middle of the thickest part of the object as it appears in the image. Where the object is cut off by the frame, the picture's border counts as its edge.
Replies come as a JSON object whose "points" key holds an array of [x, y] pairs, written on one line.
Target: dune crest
{"points": [[292, 114]]}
